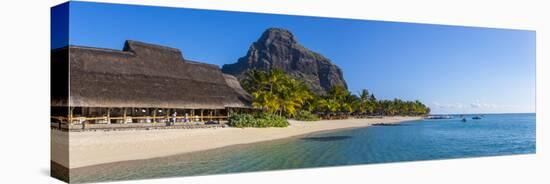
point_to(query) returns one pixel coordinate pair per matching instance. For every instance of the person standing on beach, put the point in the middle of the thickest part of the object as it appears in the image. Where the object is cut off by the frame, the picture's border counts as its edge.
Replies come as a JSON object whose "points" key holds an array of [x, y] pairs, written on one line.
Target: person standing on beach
{"points": [[174, 117]]}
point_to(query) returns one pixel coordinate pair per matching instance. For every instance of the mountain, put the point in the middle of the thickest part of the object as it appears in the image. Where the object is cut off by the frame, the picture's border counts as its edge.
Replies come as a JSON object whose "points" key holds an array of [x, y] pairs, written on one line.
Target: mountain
{"points": [[278, 48]]}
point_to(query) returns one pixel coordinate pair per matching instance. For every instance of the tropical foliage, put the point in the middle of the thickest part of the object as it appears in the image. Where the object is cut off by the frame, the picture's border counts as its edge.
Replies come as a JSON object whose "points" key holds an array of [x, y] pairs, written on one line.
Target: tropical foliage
{"points": [[304, 115], [400, 107], [276, 93], [259, 120]]}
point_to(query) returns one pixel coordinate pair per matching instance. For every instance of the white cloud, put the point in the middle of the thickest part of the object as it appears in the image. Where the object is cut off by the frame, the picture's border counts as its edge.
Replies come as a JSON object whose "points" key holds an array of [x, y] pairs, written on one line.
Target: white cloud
{"points": [[478, 105], [475, 105], [448, 106]]}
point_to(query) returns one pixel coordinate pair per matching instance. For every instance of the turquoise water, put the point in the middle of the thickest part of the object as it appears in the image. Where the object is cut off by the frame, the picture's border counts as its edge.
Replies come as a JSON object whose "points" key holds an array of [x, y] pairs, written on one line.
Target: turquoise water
{"points": [[504, 134]]}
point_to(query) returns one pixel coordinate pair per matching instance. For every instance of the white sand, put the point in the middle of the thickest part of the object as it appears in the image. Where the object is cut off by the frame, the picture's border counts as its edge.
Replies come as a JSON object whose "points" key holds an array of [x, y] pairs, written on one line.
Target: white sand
{"points": [[91, 148]]}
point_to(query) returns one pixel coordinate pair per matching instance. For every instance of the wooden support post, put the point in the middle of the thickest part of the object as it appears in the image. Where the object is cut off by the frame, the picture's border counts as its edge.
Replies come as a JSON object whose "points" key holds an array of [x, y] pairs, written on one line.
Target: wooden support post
{"points": [[154, 115], [108, 115], [124, 119], [192, 115], [217, 116], [83, 111], [70, 116], [167, 115], [228, 113], [201, 116]]}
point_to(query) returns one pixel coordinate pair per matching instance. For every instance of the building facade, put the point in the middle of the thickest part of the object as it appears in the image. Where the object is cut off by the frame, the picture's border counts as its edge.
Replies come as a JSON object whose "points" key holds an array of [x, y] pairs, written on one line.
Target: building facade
{"points": [[139, 85]]}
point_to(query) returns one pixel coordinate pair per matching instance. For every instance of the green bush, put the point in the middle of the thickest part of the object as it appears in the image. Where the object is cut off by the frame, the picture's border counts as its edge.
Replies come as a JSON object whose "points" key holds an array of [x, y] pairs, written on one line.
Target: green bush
{"points": [[270, 120], [306, 116], [258, 120], [241, 120]]}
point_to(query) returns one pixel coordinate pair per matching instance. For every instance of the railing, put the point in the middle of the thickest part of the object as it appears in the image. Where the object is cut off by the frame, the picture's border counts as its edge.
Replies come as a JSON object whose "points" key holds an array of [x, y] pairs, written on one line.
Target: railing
{"points": [[154, 119], [156, 122]]}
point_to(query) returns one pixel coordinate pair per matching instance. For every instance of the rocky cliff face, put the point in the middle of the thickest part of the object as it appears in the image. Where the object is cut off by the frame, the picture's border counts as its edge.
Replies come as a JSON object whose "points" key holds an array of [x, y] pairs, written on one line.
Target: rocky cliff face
{"points": [[278, 48]]}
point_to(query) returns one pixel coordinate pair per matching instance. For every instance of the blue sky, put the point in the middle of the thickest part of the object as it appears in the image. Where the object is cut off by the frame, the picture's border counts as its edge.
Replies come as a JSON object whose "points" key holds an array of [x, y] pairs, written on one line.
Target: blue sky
{"points": [[451, 69]]}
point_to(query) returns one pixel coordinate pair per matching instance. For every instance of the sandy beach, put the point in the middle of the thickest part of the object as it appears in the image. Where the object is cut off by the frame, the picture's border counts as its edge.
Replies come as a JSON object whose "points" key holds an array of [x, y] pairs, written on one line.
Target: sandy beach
{"points": [[92, 148]]}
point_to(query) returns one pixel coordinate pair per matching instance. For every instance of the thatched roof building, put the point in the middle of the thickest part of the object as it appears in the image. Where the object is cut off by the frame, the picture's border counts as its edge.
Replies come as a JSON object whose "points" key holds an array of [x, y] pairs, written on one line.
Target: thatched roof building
{"points": [[140, 75]]}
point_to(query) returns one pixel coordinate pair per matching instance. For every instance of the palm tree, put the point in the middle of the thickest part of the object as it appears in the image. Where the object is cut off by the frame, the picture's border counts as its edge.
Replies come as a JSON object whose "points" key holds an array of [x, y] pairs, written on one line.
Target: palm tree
{"points": [[294, 96], [266, 101], [274, 92], [260, 85], [337, 92], [367, 103], [329, 106], [349, 103]]}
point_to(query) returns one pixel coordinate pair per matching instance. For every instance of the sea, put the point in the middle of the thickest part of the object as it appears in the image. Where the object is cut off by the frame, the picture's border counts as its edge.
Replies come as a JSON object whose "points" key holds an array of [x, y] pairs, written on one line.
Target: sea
{"points": [[493, 135]]}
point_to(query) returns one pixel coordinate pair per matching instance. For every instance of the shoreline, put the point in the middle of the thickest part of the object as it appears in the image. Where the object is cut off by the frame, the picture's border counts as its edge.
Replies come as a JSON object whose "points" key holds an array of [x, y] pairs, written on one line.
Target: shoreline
{"points": [[94, 148]]}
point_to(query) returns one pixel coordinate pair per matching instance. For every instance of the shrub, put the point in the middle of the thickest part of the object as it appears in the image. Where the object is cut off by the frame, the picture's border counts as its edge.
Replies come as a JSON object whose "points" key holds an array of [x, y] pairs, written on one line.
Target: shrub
{"points": [[241, 120], [270, 120], [306, 116], [258, 120]]}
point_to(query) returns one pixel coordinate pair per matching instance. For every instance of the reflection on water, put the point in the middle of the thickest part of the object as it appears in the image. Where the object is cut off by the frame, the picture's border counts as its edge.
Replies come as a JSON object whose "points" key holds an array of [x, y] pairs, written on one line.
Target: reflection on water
{"points": [[419, 140]]}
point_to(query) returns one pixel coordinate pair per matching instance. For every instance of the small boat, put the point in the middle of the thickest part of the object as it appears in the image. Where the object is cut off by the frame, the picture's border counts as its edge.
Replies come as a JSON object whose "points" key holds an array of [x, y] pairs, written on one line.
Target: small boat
{"points": [[463, 120], [476, 117]]}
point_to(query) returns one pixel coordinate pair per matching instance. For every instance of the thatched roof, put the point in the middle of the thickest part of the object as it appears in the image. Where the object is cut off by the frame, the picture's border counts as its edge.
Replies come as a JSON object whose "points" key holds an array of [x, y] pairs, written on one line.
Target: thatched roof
{"points": [[146, 75]]}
